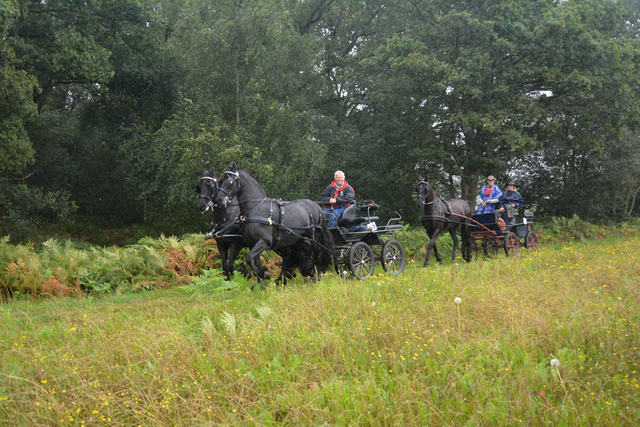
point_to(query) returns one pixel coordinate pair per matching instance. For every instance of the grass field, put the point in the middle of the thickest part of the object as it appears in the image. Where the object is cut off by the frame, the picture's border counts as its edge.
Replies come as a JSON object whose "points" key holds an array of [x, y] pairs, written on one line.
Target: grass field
{"points": [[550, 338]]}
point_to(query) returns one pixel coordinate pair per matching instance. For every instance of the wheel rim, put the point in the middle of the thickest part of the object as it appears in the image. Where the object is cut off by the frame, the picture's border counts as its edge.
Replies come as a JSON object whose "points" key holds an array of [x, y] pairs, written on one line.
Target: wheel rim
{"points": [[361, 260], [532, 241], [393, 257], [511, 245]]}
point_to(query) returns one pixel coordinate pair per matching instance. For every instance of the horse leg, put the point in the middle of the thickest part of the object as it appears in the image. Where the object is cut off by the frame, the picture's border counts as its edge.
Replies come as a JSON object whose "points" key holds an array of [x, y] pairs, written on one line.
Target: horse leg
{"points": [[234, 251], [432, 244], [437, 254], [223, 250], [466, 242], [255, 251], [454, 237], [308, 268], [287, 267]]}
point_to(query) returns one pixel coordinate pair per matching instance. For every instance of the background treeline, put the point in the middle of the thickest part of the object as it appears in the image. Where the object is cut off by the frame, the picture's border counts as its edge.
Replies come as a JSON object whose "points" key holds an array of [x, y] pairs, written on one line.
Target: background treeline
{"points": [[110, 109]]}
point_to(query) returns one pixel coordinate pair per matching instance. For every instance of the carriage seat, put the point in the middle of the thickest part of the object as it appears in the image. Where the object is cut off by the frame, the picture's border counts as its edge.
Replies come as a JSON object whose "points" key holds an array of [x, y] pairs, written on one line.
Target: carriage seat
{"points": [[485, 218], [349, 218]]}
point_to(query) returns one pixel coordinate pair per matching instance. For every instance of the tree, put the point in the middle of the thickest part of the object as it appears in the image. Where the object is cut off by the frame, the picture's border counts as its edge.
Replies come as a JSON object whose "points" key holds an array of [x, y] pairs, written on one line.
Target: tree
{"points": [[472, 86], [103, 73], [16, 102]]}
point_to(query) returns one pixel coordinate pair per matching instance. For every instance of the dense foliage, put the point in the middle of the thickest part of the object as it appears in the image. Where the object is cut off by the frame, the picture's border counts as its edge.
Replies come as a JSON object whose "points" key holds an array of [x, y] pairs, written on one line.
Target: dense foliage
{"points": [[110, 109]]}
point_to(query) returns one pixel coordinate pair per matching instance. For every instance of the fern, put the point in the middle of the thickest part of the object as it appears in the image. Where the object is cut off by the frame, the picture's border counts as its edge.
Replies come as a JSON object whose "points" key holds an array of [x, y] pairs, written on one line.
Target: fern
{"points": [[207, 326], [212, 281], [229, 321], [263, 312]]}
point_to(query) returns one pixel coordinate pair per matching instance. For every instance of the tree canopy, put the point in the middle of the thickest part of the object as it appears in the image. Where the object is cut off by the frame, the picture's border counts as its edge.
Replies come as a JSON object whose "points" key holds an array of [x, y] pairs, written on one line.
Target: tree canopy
{"points": [[112, 108]]}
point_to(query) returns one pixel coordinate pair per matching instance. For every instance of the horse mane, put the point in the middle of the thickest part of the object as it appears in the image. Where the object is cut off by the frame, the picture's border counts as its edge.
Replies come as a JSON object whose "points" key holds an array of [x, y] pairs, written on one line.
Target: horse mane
{"points": [[256, 181], [239, 171]]}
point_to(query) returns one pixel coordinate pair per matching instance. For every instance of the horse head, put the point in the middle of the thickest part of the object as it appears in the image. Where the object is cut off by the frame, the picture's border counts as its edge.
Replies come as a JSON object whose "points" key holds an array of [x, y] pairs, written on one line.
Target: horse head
{"points": [[423, 190], [229, 185], [207, 188]]}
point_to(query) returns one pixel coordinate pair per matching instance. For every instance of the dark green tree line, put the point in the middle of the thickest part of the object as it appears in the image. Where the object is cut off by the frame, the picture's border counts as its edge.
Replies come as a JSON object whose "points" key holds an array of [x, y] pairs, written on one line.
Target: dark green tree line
{"points": [[116, 106]]}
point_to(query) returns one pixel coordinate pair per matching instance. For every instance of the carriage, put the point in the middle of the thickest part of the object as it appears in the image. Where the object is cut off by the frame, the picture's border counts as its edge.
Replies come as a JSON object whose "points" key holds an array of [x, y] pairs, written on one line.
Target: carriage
{"points": [[490, 234], [360, 241]]}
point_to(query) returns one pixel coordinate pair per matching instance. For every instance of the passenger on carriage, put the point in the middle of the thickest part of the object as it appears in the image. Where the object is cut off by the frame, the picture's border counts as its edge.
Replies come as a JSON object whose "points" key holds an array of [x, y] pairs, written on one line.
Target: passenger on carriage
{"points": [[490, 195], [510, 202], [339, 195]]}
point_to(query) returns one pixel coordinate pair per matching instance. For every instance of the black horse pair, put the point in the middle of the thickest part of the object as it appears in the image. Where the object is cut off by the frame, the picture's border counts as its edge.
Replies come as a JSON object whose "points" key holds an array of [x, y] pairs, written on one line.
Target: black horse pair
{"points": [[245, 216]]}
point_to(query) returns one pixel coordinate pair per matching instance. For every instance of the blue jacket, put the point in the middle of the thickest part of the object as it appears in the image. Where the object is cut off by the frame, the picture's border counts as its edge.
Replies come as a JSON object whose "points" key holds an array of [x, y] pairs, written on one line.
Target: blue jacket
{"points": [[495, 194], [511, 198]]}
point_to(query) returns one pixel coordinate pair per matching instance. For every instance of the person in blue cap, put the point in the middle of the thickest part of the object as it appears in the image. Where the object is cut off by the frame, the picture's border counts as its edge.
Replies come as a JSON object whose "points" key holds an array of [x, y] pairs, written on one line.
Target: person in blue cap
{"points": [[510, 202]]}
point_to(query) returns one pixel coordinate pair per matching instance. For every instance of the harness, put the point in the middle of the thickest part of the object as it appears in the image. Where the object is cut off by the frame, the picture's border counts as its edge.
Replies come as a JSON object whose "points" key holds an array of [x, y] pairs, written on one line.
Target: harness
{"points": [[228, 225], [441, 216], [278, 226], [445, 216]]}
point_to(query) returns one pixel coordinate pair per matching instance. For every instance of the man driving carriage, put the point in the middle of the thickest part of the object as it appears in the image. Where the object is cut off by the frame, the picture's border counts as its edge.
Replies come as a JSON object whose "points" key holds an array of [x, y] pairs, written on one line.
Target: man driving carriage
{"points": [[339, 195]]}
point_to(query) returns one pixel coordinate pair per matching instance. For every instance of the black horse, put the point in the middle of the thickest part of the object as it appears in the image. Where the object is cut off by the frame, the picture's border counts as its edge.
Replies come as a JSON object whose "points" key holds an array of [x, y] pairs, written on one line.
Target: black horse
{"points": [[440, 216], [226, 230], [296, 230]]}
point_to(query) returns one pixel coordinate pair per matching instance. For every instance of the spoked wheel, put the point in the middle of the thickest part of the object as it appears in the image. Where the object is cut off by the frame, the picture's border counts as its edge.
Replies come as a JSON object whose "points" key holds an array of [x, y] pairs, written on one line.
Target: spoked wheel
{"points": [[361, 260], [511, 245], [489, 248], [393, 257], [531, 241]]}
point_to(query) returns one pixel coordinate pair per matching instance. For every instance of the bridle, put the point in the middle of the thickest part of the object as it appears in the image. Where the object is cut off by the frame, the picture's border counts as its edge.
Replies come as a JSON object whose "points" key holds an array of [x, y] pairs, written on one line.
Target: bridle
{"points": [[421, 198], [228, 175], [210, 202]]}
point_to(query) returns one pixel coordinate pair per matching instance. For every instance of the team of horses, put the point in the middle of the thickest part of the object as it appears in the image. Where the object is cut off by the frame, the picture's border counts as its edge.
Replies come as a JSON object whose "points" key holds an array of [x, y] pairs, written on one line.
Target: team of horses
{"points": [[244, 216]]}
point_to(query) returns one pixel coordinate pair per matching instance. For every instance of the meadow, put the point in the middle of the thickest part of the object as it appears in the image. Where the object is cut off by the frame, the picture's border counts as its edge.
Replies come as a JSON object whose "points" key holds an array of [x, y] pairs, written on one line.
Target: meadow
{"points": [[549, 338]]}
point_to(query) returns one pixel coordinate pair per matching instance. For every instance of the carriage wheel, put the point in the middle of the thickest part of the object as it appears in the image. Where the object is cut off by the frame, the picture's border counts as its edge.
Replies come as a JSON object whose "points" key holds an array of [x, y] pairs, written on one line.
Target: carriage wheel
{"points": [[393, 256], [489, 248], [511, 245], [361, 260], [531, 241]]}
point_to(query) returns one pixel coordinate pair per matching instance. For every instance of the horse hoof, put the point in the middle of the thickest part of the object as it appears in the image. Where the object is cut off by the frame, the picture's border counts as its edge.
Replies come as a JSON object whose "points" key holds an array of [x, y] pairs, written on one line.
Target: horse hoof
{"points": [[267, 276]]}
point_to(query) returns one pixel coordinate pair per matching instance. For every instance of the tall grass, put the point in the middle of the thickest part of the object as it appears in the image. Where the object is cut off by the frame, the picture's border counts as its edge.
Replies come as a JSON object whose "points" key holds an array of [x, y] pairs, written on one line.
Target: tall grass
{"points": [[390, 350]]}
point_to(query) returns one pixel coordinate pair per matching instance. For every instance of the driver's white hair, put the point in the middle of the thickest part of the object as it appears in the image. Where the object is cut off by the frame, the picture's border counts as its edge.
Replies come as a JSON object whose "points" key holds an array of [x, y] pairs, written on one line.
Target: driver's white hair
{"points": [[338, 172]]}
